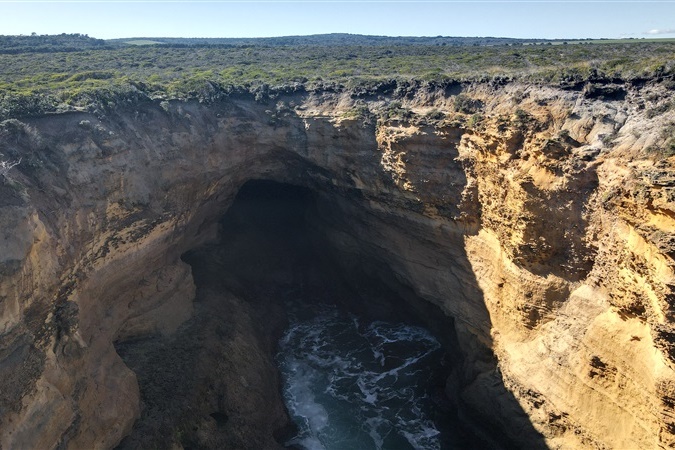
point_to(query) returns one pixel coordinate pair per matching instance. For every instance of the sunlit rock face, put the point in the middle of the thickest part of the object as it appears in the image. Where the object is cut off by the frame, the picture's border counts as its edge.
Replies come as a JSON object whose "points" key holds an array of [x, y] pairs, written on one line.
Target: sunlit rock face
{"points": [[538, 221]]}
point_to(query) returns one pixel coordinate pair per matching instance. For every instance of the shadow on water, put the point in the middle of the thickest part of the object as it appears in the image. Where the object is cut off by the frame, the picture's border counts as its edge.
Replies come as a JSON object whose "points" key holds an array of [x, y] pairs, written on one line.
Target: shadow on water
{"points": [[276, 236]]}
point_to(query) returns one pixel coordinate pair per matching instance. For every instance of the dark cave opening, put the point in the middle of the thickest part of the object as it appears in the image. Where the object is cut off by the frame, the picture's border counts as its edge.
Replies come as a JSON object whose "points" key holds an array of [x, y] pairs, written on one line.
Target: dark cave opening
{"points": [[215, 383]]}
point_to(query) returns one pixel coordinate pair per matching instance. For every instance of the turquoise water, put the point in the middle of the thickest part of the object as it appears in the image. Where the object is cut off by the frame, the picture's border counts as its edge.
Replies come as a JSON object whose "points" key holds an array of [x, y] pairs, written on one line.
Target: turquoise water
{"points": [[352, 384]]}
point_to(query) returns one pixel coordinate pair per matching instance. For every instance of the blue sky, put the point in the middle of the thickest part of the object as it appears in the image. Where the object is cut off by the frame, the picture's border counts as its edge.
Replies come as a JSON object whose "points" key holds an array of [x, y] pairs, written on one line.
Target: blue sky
{"points": [[542, 19]]}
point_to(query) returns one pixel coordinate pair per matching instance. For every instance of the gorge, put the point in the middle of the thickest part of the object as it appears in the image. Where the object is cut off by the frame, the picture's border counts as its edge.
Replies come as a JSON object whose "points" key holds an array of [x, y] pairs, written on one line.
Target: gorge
{"points": [[528, 227]]}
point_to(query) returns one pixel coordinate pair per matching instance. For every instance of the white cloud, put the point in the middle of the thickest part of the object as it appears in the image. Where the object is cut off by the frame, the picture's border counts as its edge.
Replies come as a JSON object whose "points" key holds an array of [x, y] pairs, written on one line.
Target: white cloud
{"points": [[658, 31]]}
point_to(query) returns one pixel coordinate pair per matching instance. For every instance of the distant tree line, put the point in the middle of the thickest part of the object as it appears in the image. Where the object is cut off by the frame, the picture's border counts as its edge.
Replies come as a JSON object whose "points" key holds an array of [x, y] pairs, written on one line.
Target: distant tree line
{"points": [[340, 39], [50, 43]]}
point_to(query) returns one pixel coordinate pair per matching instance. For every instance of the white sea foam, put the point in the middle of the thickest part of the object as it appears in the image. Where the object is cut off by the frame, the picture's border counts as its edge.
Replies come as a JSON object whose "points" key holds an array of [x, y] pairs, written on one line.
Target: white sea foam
{"points": [[350, 385]]}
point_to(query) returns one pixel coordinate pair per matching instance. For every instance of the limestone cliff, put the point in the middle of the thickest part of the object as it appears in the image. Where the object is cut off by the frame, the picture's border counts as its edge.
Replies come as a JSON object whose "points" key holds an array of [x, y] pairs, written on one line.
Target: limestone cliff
{"points": [[541, 220]]}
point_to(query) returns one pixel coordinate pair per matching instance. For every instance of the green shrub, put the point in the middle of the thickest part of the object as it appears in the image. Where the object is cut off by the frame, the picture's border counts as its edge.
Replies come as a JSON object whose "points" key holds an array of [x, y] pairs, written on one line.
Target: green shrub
{"points": [[434, 115], [521, 117], [475, 120], [396, 111], [360, 112], [467, 105]]}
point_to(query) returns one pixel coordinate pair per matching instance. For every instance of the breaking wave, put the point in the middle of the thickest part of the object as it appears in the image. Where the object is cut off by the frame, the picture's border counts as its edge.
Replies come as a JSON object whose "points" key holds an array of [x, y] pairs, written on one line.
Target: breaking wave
{"points": [[351, 384]]}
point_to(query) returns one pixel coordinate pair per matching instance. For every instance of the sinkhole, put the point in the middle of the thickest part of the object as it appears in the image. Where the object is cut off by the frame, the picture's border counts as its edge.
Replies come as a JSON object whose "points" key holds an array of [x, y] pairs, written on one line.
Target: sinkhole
{"points": [[292, 346]]}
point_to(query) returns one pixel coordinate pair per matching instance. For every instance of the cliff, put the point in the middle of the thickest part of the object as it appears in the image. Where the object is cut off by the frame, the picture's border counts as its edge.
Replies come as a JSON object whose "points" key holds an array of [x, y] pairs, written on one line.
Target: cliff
{"points": [[539, 220]]}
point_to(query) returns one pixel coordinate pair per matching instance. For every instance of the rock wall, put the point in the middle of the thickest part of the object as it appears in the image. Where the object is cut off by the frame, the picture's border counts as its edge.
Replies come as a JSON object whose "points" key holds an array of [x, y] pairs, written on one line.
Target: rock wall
{"points": [[540, 219]]}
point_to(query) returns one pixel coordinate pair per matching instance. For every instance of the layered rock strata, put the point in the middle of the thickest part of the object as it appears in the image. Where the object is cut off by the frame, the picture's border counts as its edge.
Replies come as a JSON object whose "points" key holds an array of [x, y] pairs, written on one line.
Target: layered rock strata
{"points": [[540, 220]]}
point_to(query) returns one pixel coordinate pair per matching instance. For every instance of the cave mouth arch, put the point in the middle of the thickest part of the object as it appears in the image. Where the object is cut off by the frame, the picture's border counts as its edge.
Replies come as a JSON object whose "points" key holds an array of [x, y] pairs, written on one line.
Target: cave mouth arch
{"points": [[215, 382]]}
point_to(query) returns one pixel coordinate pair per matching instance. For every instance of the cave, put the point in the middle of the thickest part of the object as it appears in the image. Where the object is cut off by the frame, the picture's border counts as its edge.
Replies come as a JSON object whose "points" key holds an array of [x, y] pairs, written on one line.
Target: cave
{"points": [[217, 381]]}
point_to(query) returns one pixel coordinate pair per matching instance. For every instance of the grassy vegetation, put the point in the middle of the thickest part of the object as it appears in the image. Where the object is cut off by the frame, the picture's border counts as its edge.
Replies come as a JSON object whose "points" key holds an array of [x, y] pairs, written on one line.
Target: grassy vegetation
{"points": [[108, 76]]}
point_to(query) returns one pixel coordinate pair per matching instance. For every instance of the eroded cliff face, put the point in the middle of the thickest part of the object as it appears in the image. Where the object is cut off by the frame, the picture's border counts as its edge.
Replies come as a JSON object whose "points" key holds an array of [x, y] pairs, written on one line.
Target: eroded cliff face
{"points": [[534, 217]]}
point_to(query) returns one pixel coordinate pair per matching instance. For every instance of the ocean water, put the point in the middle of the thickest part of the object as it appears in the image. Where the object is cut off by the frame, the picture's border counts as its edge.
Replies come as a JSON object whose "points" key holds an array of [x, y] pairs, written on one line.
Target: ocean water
{"points": [[352, 384]]}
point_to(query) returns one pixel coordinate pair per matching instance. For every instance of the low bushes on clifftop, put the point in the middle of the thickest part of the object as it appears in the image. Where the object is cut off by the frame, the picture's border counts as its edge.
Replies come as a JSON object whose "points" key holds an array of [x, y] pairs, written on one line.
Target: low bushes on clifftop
{"points": [[99, 75]]}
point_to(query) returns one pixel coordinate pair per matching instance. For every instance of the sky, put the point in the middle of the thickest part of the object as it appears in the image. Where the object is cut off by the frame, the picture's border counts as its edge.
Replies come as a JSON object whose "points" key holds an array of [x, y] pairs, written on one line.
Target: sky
{"points": [[247, 18]]}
